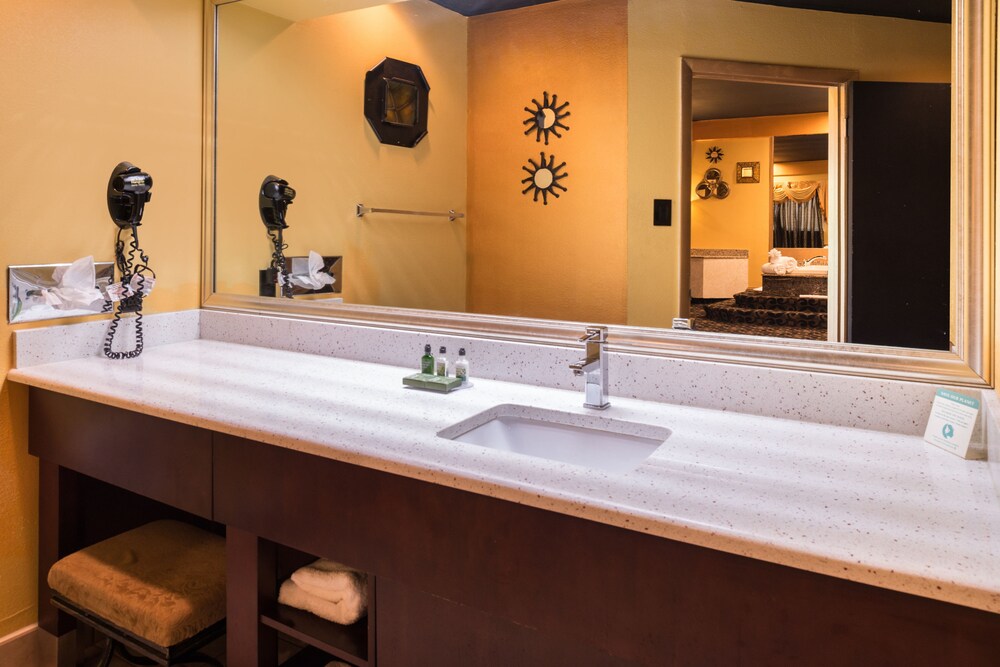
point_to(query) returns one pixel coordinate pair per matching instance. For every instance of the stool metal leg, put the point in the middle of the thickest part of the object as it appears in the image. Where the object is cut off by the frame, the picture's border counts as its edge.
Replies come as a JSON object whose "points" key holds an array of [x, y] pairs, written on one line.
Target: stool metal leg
{"points": [[107, 653], [132, 658]]}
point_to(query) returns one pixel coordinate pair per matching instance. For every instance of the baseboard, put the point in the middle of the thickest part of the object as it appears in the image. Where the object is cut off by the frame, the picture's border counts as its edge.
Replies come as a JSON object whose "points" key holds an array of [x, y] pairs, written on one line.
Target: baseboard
{"points": [[32, 647], [18, 634], [20, 647]]}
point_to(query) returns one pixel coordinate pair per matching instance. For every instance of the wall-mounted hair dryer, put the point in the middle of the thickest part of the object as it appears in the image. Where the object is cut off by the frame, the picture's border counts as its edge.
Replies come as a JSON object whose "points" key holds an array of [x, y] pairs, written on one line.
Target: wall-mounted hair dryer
{"points": [[274, 199], [128, 191], [129, 188]]}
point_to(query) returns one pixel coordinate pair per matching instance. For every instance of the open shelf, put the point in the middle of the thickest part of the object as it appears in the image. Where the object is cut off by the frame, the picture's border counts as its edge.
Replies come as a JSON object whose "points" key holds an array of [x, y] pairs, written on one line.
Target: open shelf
{"points": [[344, 642], [308, 657]]}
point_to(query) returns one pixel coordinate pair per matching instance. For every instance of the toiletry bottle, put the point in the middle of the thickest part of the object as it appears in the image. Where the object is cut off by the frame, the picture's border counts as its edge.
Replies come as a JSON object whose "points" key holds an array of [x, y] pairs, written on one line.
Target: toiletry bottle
{"points": [[427, 361], [441, 363], [462, 366]]}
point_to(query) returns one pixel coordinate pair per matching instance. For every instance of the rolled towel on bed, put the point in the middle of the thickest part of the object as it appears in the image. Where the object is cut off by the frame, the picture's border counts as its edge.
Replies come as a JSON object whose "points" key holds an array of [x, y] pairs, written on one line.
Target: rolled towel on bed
{"points": [[345, 612], [328, 580]]}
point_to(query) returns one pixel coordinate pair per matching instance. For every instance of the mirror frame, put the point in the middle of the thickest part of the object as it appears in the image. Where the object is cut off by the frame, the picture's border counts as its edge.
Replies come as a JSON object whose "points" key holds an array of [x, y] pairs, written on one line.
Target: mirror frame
{"points": [[973, 185]]}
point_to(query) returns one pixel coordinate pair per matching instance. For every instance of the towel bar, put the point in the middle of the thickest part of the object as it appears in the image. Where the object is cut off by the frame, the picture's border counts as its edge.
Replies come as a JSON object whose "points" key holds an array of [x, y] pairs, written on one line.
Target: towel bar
{"points": [[363, 210]]}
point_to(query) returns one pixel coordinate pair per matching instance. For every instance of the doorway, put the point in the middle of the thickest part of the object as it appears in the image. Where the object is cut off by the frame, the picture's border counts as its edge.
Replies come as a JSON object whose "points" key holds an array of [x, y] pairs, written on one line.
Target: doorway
{"points": [[765, 150]]}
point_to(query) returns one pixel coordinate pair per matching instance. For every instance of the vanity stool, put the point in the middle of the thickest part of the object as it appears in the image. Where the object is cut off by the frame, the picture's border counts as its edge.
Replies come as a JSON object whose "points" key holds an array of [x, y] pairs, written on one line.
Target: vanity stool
{"points": [[158, 591]]}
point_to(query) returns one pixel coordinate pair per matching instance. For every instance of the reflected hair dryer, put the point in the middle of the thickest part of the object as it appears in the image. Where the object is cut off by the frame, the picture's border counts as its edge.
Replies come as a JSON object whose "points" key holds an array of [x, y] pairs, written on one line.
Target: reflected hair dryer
{"points": [[275, 197], [129, 188]]}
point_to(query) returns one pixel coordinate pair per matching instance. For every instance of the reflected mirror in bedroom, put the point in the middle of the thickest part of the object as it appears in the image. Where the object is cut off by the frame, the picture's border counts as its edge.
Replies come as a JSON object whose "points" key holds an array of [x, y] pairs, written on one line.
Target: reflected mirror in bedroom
{"points": [[290, 101]]}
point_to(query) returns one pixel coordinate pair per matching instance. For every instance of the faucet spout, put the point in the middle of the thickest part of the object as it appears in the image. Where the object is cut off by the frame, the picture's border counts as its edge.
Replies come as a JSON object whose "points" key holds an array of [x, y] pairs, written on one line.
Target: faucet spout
{"points": [[595, 368]]}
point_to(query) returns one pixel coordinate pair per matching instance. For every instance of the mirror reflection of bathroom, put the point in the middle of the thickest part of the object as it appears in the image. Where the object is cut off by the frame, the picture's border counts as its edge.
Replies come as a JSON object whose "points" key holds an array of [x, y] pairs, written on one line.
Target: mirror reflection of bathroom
{"points": [[573, 239], [789, 255]]}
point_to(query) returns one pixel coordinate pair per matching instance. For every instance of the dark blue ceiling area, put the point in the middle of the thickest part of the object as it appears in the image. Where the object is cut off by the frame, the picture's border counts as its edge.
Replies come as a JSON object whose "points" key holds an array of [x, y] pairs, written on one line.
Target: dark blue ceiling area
{"points": [[476, 7], [938, 11]]}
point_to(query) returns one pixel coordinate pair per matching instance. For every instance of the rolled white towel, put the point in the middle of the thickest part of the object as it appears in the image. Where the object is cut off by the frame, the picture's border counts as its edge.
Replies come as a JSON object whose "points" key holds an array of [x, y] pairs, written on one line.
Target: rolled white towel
{"points": [[345, 612], [329, 580], [782, 266]]}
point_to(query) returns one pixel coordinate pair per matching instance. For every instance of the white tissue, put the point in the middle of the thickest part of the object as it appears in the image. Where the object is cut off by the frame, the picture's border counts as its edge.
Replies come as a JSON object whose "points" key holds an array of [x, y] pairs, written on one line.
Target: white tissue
{"points": [[316, 278], [118, 291], [75, 287]]}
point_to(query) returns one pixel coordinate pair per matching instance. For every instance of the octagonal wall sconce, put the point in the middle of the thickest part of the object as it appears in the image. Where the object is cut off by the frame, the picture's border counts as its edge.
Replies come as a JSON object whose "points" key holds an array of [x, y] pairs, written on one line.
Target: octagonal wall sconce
{"points": [[396, 102]]}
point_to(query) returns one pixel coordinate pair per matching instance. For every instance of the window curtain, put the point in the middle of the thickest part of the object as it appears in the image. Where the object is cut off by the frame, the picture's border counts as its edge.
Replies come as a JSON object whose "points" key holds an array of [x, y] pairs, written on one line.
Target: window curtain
{"points": [[798, 216]]}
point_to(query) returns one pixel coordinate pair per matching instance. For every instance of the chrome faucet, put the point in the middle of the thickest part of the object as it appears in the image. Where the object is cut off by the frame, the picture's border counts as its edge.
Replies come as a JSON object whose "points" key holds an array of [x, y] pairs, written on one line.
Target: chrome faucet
{"points": [[595, 367]]}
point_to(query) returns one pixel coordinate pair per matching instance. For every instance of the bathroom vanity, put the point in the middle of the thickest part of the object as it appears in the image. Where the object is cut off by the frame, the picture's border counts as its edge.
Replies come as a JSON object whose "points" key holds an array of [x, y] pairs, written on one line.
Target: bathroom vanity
{"points": [[741, 540]]}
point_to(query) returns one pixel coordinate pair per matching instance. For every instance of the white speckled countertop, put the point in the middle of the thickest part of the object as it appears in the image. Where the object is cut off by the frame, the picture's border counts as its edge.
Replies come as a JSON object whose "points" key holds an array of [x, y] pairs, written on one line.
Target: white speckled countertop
{"points": [[868, 506]]}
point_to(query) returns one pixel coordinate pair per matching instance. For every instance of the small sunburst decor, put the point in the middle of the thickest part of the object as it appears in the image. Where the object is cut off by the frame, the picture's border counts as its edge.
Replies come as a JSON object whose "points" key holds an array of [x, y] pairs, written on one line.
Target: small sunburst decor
{"points": [[543, 178], [546, 118], [714, 154]]}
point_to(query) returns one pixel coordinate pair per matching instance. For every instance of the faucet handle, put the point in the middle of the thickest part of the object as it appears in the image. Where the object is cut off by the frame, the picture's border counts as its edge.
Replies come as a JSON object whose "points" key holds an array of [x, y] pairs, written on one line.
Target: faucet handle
{"points": [[595, 333]]}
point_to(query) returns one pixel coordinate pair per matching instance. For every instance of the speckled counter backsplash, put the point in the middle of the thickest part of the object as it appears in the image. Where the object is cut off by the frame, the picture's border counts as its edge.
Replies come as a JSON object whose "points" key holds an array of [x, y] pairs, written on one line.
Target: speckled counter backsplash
{"points": [[44, 345], [881, 405]]}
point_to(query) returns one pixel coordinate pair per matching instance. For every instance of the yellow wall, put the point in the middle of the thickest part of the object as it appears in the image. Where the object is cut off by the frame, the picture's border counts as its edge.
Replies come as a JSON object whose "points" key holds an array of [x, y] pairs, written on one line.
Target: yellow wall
{"points": [[565, 260], [743, 219], [809, 168], [762, 126], [88, 84], [291, 104], [660, 33]]}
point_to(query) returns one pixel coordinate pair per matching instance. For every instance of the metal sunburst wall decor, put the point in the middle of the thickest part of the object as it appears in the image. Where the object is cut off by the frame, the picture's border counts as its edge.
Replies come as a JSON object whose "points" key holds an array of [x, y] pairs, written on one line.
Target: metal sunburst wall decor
{"points": [[714, 154], [543, 178], [546, 118]]}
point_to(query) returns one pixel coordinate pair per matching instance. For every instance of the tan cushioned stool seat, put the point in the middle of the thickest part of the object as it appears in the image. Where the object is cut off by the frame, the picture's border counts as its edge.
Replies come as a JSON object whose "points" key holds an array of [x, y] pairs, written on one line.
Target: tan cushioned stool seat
{"points": [[164, 582]]}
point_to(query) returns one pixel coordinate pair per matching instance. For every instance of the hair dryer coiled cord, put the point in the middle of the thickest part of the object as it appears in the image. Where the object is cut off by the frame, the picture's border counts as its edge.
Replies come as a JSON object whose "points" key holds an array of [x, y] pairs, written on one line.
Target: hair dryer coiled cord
{"points": [[128, 268]]}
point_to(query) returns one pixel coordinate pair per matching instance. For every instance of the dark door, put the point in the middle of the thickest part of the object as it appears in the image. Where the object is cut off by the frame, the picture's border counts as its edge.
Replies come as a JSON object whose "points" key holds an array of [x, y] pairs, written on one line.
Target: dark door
{"points": [[899, 214]]}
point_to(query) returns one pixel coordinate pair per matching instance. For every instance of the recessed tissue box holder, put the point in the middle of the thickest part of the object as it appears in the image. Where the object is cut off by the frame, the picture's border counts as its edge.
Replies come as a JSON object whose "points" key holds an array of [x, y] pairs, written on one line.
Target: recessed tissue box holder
{"points": [[25, 292], [334, 265]]}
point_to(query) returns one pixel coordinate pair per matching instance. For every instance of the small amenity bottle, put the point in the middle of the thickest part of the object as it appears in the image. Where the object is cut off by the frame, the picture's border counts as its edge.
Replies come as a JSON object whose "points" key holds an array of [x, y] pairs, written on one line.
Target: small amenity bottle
{"points": [[427, 361], [441, 363], [462, 366]]}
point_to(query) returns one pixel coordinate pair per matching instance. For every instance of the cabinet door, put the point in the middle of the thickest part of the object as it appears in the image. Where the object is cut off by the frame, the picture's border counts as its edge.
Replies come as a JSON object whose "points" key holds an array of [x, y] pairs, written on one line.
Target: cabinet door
{"points": [[416, 628], [156, 458]]}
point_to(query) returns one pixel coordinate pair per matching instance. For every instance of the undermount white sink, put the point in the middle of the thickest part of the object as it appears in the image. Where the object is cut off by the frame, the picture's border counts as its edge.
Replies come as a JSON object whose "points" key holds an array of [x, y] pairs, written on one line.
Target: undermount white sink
{"points": [[587, 440]]}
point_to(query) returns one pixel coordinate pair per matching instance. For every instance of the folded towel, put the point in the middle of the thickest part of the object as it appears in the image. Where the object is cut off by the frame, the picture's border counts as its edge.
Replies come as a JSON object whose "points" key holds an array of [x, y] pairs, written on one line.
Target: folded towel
{"points": [[328, 579], [345, 612]]}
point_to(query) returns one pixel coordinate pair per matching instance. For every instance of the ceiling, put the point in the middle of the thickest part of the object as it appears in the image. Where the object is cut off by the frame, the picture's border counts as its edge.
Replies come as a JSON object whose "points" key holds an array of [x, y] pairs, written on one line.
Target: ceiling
{"points": [[938, 11], [713, 100], [475, 7], [920, 10], [310, 9]]}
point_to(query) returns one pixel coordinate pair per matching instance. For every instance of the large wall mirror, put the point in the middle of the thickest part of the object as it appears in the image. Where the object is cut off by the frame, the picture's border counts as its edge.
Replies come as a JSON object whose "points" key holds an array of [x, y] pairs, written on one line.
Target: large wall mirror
{"points": [[747, 167]]}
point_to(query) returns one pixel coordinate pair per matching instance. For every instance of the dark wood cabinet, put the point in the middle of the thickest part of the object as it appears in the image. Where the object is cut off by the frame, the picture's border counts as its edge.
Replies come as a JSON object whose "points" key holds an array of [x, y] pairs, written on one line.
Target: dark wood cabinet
{"points": [[156, 458], [462, 579]]}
